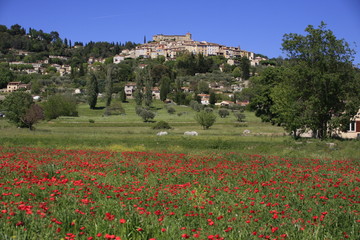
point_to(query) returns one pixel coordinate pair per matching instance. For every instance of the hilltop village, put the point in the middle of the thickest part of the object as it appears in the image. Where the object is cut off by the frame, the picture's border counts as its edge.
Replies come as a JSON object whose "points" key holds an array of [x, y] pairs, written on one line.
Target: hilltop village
{"points": [[171, 45]]}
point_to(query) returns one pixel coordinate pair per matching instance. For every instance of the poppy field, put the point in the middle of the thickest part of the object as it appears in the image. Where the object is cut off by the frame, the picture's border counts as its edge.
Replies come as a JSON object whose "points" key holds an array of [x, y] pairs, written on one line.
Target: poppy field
{"points": [[82, 194]]}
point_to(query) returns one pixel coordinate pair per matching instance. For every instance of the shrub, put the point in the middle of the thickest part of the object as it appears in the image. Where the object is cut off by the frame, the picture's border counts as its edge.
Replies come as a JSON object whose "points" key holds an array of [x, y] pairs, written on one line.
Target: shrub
{"points": [[205, 119], [60, 105], [223, 113], [208, 109], [240, 117], [91, 121], [162, 125], [146, 115], [171, 110], [115, 108]]}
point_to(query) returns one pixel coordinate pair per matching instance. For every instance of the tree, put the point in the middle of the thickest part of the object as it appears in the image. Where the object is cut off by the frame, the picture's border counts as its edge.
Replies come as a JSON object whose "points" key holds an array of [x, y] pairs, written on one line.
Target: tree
{"points": [[223, 113], [212, 98], [60, 105], [92, 90], [237, 72], [240, 117], [164, 88], [122, 94], [108, 86], [148, 93], [245, 67], [6, 75], [146, 114], [16, 105], [33, 115], [115, 108], [324, 79], [260, 93], [205, 119]]}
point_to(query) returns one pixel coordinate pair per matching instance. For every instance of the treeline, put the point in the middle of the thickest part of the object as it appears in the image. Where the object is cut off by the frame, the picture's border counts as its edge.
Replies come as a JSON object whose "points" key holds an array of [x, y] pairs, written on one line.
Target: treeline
{"points": [[43, 44]]}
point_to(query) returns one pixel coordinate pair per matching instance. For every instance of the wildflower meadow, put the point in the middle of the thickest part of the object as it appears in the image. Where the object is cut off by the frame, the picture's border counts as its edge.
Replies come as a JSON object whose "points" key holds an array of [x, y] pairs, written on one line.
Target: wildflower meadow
{"points": [[81, 194]]}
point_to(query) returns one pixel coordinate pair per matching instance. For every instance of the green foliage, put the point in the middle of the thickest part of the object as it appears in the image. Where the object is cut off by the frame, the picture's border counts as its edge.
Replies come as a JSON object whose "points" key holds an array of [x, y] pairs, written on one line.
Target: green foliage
{"points": [[60, 105], [260, 93], [203, 87], [148, 98], [212, 98], [6, 75], [122, 94], [109, 86], [223, 113], [92, 90], [240, 117], [115, 108], [164, 88], [245, 67], [196, 106], [322, 78], [170, 110], [205, 118], [162, 125], [237, 72], [145, 114], [16, 106]]}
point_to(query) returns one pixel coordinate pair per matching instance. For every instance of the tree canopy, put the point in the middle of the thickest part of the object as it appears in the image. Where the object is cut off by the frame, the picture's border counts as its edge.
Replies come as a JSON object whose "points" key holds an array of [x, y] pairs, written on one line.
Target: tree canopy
{"points": [[316, 89]]}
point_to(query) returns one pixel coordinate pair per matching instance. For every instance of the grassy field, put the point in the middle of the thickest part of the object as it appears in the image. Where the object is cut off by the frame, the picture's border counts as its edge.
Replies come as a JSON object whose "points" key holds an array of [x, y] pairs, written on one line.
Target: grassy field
{"points": [[129, 133]]}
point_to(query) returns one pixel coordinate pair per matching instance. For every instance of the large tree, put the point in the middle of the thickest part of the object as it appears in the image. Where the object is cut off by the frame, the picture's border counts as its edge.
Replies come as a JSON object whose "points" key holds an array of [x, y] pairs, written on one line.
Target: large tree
{"points": [[16, 106], [322, 80]]}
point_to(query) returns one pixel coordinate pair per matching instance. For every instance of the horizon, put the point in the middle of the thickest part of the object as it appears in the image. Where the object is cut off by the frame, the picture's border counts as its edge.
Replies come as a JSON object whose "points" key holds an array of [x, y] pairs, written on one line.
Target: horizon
{"points": [[256, 27]]}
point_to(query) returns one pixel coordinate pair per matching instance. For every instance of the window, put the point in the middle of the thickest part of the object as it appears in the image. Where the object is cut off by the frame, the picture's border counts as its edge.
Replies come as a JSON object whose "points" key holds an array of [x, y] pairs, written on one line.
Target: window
{"points": [[352, 126]]}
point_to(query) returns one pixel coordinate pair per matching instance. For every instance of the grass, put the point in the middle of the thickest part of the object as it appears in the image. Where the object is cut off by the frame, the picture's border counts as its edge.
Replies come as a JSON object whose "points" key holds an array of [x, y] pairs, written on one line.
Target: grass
{"points": [[129, 132]]}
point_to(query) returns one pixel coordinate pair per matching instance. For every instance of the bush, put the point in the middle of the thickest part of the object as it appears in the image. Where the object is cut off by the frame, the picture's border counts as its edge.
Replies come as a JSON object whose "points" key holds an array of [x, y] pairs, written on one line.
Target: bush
{"points": [[146, 114], [205, 119], [162, 125], [171, 110], [60, 105], [196, 106], [223, 113], [91, 121], [115, 108], [208, 109], [240, 117]]}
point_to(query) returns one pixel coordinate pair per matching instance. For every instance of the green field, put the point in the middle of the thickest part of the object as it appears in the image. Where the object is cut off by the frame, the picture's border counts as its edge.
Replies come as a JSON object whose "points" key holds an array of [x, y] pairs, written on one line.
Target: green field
{"points": [[129, 133]]}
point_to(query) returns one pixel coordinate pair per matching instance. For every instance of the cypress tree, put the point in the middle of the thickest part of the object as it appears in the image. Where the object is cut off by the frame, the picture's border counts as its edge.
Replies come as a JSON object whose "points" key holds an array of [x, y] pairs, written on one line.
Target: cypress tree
{"points": [[92, 90]]}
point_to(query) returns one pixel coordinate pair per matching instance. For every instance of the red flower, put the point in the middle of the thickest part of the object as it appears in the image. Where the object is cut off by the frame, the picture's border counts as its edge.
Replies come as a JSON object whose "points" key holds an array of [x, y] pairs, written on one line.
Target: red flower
{"points": [[122, 220]]}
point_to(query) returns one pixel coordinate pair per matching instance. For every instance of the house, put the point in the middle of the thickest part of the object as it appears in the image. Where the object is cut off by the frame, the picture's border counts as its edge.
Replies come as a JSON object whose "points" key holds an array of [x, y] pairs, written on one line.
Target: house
{"points": [[13, 86], [204, 98], [155, 92], [118, 59], [226, 103], [130, 89], [354, 128]]}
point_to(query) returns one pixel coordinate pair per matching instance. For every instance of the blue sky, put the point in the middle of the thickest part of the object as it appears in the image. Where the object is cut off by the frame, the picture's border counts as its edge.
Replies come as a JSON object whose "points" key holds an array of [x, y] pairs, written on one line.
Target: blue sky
{"points": [[256, 26]]}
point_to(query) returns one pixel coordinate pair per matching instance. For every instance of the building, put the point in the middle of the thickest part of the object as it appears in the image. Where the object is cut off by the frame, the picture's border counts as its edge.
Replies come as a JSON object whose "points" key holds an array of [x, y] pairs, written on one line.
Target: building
{"points": [[354, 128], [204, 98], [13, 86], [130, 89], [162, 37], [118, 59]]}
